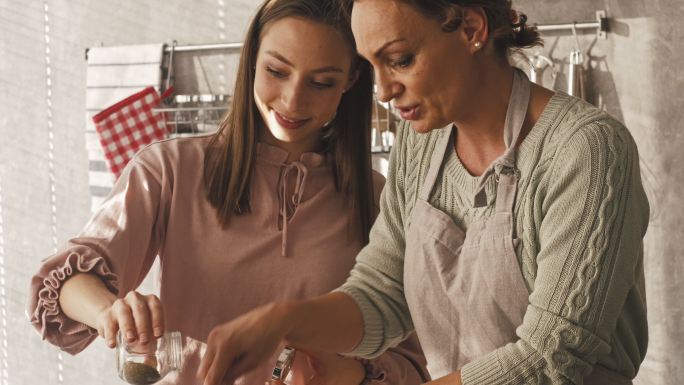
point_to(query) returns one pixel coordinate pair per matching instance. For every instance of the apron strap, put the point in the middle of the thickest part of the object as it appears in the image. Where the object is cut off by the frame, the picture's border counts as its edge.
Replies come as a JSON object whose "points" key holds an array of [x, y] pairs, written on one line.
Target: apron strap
{"points": [[505, 191], [515, 117], [438, 155]]}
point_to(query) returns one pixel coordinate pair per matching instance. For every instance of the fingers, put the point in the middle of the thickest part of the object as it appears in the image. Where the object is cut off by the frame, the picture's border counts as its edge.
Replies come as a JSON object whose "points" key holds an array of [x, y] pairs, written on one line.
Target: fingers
{"points": [[107, 328], [318, 376], [238, 346], [215, 363], [329, 368], [222, 363], [156, 315], [124, 317], [239, 368], [206, 363], [141, 316], [218, 368]]}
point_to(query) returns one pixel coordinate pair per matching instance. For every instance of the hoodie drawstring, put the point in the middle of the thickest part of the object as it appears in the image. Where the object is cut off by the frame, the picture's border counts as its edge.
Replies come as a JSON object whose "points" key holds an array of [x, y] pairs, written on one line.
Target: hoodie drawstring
{"points": [[302, 173]]}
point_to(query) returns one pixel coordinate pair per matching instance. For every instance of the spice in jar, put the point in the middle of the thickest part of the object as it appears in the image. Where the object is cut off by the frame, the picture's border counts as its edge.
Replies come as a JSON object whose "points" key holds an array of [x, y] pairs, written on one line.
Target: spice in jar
{"points": [[137, 373], [143, 364]]}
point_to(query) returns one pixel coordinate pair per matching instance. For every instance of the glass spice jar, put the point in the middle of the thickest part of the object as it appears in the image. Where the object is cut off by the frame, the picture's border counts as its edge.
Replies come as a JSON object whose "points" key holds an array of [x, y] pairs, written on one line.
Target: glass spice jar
{"points": [[142, 364]]}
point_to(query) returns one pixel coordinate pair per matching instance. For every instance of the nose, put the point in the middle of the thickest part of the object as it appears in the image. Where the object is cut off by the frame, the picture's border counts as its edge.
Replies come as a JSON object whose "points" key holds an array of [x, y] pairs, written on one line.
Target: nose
{"points": [[387, 88], [293, 96]]}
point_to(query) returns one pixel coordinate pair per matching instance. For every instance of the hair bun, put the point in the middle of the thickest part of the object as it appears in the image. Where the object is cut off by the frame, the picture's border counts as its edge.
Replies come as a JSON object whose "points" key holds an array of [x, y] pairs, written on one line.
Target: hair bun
{"points": [[521, 20], [523, 36]]}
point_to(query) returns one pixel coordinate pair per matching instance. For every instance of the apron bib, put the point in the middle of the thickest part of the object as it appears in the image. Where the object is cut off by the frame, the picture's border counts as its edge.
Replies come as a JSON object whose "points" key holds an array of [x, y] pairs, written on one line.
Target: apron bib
{"points": [[465, 290]]}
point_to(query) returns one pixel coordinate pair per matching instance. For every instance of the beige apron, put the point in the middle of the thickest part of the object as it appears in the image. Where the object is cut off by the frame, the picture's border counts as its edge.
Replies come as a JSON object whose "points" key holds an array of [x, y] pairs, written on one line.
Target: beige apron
{"points": [[465, 290]]}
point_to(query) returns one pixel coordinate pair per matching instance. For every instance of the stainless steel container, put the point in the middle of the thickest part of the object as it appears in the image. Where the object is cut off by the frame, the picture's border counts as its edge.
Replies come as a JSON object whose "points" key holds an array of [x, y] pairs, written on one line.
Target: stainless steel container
{"points": [[576, 74]]}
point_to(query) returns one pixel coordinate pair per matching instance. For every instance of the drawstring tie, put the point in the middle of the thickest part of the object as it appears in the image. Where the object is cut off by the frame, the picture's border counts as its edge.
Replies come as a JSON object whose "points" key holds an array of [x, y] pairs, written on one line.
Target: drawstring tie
{"points": [[302, 173]]}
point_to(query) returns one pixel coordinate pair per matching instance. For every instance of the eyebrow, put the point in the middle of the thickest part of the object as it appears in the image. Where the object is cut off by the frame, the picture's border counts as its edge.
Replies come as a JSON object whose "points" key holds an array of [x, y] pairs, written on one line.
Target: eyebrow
{"points": [[384, 46], [319, 70]]}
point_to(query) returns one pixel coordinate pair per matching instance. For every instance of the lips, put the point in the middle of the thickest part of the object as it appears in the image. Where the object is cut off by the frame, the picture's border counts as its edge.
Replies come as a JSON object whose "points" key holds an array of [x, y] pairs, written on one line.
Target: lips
{"points": [[409, 113], [287, 122]]}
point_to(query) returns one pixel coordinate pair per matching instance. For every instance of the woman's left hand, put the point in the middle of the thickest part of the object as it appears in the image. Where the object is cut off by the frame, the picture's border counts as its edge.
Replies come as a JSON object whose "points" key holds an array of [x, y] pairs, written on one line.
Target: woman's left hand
{"points": [[324, 369]]}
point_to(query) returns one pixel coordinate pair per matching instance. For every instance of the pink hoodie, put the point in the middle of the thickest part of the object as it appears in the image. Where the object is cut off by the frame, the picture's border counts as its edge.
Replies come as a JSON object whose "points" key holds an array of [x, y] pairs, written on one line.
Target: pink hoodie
{"points": [[211, 275]]}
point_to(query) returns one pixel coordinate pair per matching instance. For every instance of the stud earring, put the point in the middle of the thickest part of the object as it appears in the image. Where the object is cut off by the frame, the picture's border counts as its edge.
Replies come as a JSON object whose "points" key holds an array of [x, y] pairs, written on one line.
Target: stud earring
{"points": [[478, 44]]}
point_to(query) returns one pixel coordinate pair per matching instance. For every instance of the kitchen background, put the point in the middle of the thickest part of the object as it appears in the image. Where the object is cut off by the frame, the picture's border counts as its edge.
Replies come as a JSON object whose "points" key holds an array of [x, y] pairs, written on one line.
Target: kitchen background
{"points": [[49, 171]]}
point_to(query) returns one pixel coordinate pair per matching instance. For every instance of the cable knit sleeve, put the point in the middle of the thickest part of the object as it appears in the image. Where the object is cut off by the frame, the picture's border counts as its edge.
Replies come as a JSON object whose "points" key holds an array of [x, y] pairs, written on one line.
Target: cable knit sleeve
{"points": [[119, 245], [376, 282], [593, 216]]}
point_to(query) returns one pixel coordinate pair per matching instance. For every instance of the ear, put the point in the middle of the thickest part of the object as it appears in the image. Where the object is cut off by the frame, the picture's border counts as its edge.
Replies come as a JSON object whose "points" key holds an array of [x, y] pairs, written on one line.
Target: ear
{"points": [[475, 28]]}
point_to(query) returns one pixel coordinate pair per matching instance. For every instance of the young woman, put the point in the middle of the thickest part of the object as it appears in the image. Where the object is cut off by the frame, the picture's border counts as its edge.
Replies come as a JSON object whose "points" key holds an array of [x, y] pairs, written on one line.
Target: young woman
{"points": [[511, 225], [274, 206]]}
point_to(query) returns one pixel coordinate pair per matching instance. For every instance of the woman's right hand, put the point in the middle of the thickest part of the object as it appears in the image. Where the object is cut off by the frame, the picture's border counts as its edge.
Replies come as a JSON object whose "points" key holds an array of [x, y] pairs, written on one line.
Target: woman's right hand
{"points": [[238, 346], [139, 317], [331, 322]]}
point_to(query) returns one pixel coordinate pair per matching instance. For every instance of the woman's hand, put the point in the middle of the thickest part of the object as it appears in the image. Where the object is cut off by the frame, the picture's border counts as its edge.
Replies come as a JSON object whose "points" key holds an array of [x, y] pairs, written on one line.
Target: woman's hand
{"points": [[331, 322], [235, 347], [323, 369], [331, 369], [139, 317], [85, 298]]}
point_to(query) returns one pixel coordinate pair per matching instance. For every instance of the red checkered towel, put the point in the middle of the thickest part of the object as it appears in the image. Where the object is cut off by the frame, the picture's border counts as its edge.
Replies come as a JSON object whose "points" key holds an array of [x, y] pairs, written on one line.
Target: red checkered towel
{"points": [[128, 125]]}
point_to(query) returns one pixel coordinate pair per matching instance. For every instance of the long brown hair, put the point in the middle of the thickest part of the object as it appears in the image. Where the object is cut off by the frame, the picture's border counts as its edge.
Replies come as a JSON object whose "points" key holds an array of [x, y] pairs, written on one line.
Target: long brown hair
{"points": [[229, 162]]}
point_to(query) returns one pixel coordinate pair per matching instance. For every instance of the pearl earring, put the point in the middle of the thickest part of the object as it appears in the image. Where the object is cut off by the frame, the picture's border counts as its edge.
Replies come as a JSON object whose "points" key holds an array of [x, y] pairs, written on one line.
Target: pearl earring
{"points": [[478, 45]]}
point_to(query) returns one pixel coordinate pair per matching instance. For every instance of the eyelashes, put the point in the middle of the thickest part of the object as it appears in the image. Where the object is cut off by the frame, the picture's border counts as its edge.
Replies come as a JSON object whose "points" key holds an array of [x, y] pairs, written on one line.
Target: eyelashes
{"points": [[404, 61], [315, 84], [322, 85], [275, 73]]}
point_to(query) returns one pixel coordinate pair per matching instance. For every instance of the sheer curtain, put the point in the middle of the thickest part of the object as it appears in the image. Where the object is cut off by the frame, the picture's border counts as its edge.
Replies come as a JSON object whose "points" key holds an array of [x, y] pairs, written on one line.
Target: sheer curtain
{"points": [[44, 192]]}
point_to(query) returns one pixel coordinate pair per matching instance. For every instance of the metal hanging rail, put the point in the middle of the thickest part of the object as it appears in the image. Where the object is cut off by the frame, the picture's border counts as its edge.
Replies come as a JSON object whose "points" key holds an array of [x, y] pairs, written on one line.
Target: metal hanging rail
{"points": [[600, 25], [202, 47], [194, 47]]}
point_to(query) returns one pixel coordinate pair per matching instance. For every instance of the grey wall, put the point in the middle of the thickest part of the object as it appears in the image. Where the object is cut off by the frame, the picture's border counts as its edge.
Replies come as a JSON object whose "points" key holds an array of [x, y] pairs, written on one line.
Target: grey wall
{"points": [[636, 75]]}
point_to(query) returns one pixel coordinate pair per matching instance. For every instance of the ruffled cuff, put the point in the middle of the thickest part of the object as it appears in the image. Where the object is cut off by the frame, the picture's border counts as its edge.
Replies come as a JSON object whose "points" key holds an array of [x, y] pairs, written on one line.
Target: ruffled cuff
{"points": [[44, 310]]}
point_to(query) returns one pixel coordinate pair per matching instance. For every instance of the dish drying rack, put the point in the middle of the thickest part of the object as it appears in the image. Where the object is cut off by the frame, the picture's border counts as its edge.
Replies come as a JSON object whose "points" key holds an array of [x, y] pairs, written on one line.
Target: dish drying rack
{"points": [[189, 115]]}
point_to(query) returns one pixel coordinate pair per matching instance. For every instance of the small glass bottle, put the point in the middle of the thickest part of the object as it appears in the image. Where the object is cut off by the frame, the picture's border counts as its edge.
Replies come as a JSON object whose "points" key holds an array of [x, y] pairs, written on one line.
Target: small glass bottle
{"points": [[140, 364]]}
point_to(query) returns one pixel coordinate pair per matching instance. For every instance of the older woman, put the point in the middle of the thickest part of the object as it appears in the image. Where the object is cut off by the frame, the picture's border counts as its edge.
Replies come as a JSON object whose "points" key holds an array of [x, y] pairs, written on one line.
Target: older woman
{"points": [[511, 225]]}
